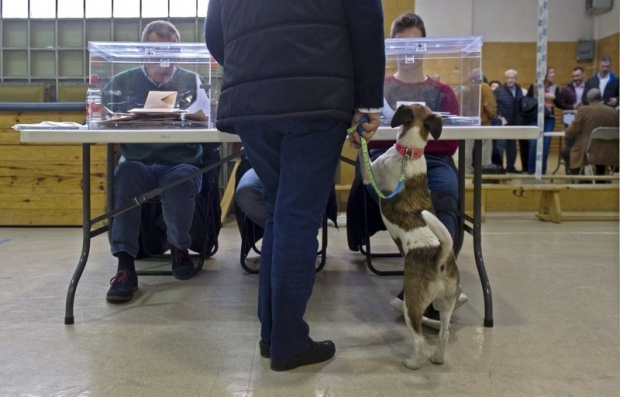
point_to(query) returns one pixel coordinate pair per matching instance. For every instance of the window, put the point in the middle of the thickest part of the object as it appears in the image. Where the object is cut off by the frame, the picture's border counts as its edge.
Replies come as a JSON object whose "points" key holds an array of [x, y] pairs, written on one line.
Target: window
{"points": [[98, 9], [42, 8], [73, 8], [103, 8]]}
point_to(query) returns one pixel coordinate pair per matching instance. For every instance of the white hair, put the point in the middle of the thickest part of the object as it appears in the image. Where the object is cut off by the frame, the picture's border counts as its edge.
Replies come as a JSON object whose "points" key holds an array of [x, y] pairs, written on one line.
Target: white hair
{"points": [[510, 71]]}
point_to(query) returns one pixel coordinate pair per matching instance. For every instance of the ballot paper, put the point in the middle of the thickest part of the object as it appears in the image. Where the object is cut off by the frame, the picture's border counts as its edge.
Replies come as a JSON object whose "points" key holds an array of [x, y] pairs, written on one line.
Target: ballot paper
{"points": [[50, 125]]}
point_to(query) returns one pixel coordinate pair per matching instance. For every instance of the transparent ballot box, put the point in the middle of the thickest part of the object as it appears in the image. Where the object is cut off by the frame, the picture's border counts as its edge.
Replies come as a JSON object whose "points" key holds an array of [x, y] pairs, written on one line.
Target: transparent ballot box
{"points": [[443, 73], [152, 84]]}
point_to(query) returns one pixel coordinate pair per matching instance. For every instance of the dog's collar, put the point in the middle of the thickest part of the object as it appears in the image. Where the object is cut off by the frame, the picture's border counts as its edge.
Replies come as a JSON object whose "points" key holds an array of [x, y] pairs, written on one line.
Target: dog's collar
{"points": [[411, 153]]}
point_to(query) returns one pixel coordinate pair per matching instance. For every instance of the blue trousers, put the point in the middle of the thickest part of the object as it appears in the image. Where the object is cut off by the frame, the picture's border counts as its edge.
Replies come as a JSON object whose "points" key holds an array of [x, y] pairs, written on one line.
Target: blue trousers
{"points": [[531, 162], [132, 178], [443, 185], [249, 197], [296, 162]]}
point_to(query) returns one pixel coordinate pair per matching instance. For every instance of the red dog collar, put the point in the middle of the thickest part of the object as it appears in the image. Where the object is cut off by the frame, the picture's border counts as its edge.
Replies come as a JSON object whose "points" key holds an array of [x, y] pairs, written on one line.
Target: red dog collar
{"points": [[405, 151]]}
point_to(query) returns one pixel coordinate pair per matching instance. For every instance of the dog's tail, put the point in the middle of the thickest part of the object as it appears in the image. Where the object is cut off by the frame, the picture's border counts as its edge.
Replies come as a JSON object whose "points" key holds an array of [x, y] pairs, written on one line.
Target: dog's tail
{"points": [[442, 234]]}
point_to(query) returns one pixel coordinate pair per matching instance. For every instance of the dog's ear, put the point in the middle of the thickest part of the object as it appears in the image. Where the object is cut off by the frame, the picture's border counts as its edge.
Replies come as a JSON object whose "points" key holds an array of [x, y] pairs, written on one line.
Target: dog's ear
{"points": [[433, 124], [403, 115]]}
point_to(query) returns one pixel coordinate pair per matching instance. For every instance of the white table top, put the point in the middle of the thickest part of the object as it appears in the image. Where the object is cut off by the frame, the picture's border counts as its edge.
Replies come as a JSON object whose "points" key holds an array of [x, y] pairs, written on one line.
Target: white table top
{"points": [[211, 135]]}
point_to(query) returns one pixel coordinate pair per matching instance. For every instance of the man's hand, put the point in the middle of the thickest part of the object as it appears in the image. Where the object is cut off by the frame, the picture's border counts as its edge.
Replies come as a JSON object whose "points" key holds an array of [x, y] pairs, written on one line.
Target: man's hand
{"points": [[369, 127]]}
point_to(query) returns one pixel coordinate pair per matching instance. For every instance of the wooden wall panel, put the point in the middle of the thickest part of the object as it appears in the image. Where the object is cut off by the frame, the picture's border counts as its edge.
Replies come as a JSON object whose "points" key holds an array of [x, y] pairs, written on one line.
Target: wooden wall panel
{"points": [[498, 57], [610, 45], [392, 9], [39, 169], [34, 217], [41, 185]]}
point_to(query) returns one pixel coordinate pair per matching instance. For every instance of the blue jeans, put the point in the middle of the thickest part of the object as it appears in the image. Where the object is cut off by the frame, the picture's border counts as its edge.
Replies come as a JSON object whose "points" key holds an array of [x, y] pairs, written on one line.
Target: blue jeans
{"points": [[296, 162], [249, 197], [132, 178], [442, 182], [531, 163]]}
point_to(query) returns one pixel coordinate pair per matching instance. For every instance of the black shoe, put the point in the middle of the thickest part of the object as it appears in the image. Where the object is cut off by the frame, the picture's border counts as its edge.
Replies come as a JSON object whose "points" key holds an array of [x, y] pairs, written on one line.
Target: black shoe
{"points": [[265, 348], [182, 264], [316, 353], [122, 287]]}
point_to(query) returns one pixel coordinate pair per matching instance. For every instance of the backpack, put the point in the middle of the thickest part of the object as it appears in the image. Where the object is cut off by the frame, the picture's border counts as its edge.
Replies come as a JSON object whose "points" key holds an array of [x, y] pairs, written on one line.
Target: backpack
{"points": [[527, 110]]}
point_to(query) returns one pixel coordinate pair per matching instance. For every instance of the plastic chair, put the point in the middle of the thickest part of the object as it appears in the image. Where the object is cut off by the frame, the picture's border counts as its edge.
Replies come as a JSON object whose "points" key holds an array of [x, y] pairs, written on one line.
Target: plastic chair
{"points": [[363, 221], [251, 233], [601, 134], [567, 117]]}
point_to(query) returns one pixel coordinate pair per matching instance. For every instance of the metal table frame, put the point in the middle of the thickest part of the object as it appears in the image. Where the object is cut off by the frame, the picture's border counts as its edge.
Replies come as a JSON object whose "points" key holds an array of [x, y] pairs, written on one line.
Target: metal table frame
{"points": [[472, 225]]}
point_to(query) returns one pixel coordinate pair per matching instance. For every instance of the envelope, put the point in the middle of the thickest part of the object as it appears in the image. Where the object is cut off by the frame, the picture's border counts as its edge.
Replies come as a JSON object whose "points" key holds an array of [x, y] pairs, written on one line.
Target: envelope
{"points": [[159, 102]]}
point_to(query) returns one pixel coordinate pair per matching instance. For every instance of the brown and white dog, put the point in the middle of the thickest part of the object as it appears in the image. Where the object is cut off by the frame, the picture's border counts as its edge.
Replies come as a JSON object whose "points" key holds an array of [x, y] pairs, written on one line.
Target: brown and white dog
{"points": [[430, 271]]}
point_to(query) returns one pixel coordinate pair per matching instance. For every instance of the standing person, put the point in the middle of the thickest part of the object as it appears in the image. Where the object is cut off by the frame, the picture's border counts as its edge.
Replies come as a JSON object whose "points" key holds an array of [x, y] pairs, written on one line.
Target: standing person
{"points": [[572, 93], [508, 97], [571, 97], [488, 112], [606, 82], [552, 99], [296, 75], [148, 166], [587, 118]]}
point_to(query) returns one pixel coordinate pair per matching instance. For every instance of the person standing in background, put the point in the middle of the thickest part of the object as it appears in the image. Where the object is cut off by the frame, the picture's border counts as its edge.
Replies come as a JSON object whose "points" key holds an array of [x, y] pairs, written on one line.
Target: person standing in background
{"points": [[552, 99], [508, 97], [606, 82], [488, 112], [296, 76], [572, 93], [571, 98]]}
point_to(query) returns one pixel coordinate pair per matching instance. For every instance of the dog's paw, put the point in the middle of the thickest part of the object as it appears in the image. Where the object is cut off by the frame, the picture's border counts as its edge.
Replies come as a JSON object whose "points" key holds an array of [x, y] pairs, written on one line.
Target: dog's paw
{"points": [[435, 359], [411, 364]]}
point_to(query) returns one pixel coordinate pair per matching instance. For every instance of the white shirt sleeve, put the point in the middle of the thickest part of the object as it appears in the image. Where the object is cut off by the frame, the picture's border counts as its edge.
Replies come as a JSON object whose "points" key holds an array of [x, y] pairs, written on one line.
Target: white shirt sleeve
{"points": [[202, 101]]}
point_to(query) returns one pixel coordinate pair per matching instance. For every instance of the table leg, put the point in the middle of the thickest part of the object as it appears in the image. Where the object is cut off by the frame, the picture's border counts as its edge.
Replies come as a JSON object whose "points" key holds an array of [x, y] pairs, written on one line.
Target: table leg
{"points": [[86, 235], [477, 234]]}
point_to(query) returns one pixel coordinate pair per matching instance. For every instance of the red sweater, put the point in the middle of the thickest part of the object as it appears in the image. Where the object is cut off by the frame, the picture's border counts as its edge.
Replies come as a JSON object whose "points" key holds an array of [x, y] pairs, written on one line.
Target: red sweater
{"points": [[437, 96]]}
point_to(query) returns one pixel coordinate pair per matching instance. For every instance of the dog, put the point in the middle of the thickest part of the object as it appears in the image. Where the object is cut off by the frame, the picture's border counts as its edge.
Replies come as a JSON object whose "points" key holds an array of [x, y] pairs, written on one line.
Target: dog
{"points": [[430, 271]]}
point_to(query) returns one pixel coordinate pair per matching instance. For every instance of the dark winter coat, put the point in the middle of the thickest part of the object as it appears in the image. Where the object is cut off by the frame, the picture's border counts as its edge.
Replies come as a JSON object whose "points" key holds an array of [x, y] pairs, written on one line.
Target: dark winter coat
{"points": [[308, 59]]}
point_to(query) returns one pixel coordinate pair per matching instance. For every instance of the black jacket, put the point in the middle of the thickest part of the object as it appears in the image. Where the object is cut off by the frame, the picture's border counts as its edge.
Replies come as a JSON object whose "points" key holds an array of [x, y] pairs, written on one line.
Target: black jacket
{"points": [[507, 105], [611, 89], [318, 59]]}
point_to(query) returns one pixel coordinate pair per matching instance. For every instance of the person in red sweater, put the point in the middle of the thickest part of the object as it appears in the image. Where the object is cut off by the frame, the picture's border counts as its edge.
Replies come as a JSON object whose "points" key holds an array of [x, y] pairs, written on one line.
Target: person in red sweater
{"points": [[410, 84]]}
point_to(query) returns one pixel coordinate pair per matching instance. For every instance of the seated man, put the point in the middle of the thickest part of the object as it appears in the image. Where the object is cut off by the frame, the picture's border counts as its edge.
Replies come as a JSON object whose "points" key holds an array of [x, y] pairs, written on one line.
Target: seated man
{"points": [[587, 118], [144, 167]]}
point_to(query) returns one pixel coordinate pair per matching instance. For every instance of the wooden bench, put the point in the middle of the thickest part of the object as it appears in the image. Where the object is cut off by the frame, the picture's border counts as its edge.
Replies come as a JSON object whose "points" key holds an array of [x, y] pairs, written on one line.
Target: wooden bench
{"points": [[507, 178], [549, 206]]}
